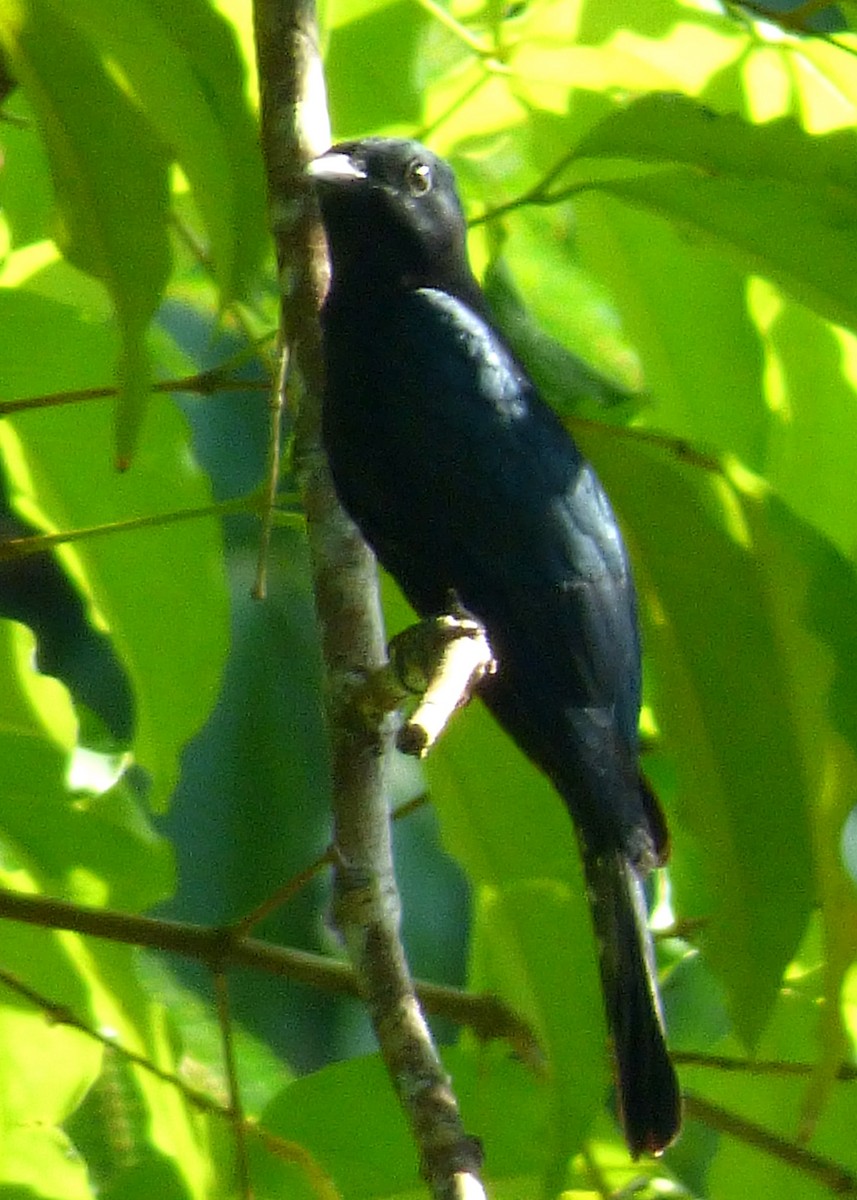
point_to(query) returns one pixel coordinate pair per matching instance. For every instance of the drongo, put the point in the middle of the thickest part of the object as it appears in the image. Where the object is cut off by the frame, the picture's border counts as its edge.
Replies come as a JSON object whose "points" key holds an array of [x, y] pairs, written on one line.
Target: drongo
{"points": [[472, 494]]}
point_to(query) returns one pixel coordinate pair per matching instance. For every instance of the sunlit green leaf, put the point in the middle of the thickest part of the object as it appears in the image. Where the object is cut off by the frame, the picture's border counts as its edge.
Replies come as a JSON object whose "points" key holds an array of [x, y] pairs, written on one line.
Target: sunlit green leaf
{"points": [[780, 200], [215, 138], [110, 180], [160, 590]]}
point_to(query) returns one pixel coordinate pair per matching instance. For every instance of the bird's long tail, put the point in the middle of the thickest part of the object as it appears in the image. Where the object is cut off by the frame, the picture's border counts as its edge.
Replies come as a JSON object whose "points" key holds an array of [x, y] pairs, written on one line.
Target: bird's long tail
{"points": [[648, 1092]]}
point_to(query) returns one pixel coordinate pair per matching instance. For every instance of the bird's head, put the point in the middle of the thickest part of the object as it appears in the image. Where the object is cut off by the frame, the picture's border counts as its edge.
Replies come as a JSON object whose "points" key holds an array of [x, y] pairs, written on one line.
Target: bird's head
{"points": [[392, 216]]}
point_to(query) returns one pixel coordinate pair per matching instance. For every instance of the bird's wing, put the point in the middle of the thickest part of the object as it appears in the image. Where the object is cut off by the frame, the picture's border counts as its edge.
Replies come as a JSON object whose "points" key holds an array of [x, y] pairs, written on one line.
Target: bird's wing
{"points": [[465, 481]]}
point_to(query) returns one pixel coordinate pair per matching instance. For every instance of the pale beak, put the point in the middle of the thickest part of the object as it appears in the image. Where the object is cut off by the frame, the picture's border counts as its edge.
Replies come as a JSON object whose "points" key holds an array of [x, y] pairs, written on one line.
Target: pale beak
{"points": [[335, 167]]}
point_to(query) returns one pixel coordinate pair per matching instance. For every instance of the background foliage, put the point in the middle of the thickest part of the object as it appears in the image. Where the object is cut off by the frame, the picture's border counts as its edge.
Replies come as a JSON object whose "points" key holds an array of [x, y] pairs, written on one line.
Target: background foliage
{"points": [[666, 190]]}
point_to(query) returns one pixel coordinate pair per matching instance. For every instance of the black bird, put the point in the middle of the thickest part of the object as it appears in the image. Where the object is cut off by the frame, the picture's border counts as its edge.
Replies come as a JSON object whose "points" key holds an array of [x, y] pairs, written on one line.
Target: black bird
{"points": [[467, 486]]}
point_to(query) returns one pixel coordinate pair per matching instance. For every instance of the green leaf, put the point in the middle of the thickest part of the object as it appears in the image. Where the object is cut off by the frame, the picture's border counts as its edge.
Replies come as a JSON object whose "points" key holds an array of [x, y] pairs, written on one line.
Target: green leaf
{"points": [[184, 73], [91, 849], [533, 940], [812, 441], [358, 102], [160, 591], [26, 192], [774, 1098], [45, 1068], [42, 1159], [110, 179], [683, 308], [163, 83], [367, 1150], [562, 319], [740, 687], [783, 201], [173, 1126]]}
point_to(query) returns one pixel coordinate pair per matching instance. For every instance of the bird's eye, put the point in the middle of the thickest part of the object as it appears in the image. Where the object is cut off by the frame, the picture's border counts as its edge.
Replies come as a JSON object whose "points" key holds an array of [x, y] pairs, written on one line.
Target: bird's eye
{"points": [[418, 177]]}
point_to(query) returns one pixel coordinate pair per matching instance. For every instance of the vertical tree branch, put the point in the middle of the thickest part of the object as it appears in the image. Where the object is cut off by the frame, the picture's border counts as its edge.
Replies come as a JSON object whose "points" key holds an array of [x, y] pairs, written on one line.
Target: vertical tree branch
{"points": [[352, 633]]}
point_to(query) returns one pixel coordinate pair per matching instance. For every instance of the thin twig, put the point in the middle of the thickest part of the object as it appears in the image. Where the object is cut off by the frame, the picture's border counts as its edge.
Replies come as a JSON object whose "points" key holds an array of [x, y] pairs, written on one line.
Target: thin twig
{"points": [[282, 895], [204, 383], [823, 1170], [323, 1187], [471, 40], [276, 405], [22, 547], [217, 949], [538, 196], [236, 1110], [846, 1073]]}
